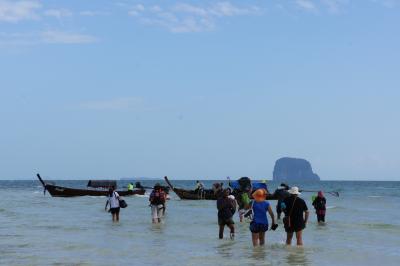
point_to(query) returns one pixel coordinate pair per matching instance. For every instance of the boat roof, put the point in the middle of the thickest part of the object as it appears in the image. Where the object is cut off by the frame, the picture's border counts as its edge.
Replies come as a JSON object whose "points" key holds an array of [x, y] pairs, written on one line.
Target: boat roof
{"points": [[102, 183], [254, 185]]}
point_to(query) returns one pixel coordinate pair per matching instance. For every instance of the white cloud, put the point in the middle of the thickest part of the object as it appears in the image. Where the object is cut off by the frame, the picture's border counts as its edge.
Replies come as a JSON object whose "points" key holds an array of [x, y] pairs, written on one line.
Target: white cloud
{"points": [[191, 9], [306, 5], [184, 17], [390, 3], [156, 8], [53, 36], [227, 9], [15, 11], [92, 13], [17, 39], [124, 103], [46, 37], [334, 6], [58, 13]]}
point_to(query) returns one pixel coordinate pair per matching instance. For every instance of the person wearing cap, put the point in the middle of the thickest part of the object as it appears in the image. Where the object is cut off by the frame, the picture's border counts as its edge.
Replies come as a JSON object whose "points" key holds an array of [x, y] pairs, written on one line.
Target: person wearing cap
{"points": [[226, 206], [157, 203], [319, 204], [281, 193], [296, 216], [259, 224]]}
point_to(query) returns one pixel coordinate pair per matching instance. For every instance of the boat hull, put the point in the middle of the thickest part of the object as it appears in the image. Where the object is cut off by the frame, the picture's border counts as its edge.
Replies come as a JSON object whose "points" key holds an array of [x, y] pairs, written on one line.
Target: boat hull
{"points": [[186, 194], [207, 194], [58, 191], [194, 195]]}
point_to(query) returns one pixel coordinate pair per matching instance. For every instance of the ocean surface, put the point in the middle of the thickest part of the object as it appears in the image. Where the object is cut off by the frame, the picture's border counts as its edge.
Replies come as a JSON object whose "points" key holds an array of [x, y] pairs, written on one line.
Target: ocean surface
{"points": [[363, 228]]}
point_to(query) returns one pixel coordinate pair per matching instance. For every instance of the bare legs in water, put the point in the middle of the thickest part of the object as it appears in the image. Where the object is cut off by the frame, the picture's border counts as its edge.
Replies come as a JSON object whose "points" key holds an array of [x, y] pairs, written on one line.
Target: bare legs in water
{"points": [[299, 238], [258, 239], [221, 231]]}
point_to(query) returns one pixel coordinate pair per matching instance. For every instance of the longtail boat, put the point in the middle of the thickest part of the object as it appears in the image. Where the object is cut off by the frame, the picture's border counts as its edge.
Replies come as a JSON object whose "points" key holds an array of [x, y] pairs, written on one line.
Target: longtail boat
{"points": [[187, 194], [208, 194], [95, 188]]}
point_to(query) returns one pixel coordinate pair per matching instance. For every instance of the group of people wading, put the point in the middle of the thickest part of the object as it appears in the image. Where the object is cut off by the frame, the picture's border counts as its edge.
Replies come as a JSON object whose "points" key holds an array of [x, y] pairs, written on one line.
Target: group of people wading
{"points": [[157, 203], [294, 208], [251, 204]]}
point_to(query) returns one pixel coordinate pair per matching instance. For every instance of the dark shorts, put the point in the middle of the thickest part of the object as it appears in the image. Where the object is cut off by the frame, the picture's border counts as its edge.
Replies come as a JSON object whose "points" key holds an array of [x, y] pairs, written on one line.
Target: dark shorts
{"points": [[278, 207], [295, 226], [225, 221], [321, 218], [114, 210], [258, 228]]}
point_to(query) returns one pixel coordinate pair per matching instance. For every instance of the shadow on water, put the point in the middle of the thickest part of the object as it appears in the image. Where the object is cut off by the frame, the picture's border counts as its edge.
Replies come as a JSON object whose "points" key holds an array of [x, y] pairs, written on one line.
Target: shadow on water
{"points": [[296, 256]]}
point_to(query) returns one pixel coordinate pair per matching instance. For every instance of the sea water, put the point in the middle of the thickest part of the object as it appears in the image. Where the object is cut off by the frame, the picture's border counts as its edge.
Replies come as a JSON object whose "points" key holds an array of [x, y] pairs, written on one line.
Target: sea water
{"points": [[363, 228]]}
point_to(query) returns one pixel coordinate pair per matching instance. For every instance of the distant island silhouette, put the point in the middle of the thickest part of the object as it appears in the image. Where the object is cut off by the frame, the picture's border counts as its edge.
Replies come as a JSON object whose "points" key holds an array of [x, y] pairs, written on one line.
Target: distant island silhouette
{"points": [[293, 169]]}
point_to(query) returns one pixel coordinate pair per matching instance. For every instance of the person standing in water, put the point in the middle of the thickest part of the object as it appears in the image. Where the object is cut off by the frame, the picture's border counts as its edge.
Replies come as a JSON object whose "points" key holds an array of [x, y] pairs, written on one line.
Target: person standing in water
{"points": [[157, 203], [319, 204], [281, 193], [113, 201], [296, 216], [259, 224], [226, 208], [243, 201]]}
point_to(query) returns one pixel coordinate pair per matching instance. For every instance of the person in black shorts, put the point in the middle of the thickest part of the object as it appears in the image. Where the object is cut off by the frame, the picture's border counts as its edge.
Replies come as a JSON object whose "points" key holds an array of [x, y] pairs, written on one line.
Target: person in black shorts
{"points": [[282, 192], [226, 206], [296, 216], [113, 201]]}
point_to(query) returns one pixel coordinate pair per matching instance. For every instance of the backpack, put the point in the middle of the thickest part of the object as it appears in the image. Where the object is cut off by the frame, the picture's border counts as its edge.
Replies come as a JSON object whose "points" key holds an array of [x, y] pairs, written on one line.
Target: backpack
{"points": [[319, 204], [157, 197]]}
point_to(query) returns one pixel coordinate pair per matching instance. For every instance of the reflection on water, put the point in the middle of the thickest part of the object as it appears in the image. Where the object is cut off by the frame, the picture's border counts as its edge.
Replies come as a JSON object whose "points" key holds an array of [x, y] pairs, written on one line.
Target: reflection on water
{"points": [[225, 248], [156, 228], [296, 256], [259, 253], [158, 240]]}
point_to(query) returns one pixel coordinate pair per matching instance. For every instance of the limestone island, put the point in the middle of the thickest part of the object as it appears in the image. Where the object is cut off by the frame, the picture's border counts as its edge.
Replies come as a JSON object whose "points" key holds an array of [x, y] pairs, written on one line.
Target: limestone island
{"points": [[293, 169]]}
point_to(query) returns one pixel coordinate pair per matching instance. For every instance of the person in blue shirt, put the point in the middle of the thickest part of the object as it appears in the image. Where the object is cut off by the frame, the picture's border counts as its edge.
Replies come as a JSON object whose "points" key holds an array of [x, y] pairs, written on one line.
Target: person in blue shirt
{"points": [[259, 224]]}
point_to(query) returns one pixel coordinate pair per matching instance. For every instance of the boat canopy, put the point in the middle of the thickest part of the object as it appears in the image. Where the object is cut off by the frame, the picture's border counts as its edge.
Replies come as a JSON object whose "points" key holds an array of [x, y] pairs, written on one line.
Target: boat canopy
{"points": [[102, 183], [254, 185]]}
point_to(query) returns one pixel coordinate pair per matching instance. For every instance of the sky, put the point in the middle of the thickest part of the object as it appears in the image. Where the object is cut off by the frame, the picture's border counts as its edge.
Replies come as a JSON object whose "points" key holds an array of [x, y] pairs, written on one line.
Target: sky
{"points": [[199, 89]]}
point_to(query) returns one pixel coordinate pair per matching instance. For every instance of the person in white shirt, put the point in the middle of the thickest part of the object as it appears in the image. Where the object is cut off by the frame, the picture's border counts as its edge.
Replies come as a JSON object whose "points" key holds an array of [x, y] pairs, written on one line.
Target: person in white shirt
{"points": [[113, 201]]}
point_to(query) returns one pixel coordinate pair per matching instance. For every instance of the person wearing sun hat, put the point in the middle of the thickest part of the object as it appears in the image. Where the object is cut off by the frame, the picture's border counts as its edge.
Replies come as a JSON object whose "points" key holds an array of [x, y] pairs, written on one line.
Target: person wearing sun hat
{"points": [[296, 216], [259, 224]]}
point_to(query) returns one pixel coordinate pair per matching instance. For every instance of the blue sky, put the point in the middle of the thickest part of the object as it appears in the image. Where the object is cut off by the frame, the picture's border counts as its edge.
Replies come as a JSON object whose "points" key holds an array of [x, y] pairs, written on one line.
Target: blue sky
{"points": [[199, 89]]}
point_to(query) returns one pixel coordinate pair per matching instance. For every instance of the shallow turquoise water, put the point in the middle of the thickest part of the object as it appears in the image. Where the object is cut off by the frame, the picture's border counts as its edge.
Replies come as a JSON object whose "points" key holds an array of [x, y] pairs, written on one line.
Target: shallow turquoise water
{"points": [[363, 229]]}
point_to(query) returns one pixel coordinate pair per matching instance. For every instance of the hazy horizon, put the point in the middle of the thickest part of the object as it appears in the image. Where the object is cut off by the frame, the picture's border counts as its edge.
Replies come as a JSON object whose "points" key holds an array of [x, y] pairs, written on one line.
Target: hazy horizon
{"points": [[199, 89]]}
